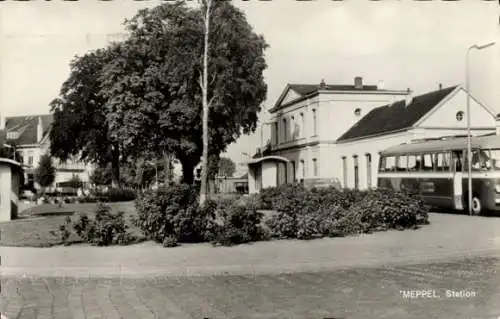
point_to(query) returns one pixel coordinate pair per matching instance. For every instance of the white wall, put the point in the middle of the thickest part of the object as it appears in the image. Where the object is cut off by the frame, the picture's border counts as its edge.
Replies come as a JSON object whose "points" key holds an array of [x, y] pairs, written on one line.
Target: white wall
{"points": [[445, 115], [5, 192], [268, 174], [336, 112]]}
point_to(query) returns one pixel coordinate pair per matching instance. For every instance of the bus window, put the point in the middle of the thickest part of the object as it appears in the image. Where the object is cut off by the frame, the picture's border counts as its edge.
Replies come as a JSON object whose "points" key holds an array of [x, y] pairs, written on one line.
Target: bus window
{"points": [[480, 160], [390, 164], [443, 162], [412, 163], [495, 159], [402, 163], [458, 160], [419, 162], [428, 164], [381, 167]]}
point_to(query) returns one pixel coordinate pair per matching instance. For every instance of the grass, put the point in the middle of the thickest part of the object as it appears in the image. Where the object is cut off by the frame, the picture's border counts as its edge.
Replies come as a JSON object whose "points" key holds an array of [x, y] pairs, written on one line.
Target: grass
{"points": [[39, 226]]}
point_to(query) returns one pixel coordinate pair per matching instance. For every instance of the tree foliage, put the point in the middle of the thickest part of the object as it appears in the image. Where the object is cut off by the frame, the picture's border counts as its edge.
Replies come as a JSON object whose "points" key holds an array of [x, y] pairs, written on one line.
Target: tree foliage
{"points": [[80, 127], [141, 98], [45, 172], [153, 87], [101, 175], [226, 167]]}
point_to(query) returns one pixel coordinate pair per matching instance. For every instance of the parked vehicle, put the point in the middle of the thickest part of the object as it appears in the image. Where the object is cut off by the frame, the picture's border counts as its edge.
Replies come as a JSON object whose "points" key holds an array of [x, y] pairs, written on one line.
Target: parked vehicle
{"points": [[438, 170]]}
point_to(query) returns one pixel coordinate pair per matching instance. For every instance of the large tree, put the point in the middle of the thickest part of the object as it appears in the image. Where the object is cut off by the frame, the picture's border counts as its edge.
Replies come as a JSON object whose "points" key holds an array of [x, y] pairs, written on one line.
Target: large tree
{"points": [[154, 87], [80, 128]]}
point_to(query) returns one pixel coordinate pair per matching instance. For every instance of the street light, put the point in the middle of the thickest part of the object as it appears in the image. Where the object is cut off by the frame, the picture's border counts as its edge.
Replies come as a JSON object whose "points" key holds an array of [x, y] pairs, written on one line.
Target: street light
{"points": [[467, 88]]}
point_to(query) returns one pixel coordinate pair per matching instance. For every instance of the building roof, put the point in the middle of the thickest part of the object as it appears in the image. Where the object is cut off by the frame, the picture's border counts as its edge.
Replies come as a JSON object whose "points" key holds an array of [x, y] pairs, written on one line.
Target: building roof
{"points": [[396, 116], [305, 90], [27, 127], [489, 141]]}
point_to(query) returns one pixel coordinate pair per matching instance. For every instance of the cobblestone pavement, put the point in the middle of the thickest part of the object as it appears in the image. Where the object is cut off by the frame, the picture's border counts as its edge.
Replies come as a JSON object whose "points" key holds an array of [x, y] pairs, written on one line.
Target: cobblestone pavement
{"points": [[383, 292]]}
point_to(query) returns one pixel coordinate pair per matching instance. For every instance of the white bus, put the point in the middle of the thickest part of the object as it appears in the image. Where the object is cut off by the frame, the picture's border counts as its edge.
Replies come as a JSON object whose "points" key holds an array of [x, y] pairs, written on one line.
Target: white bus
{"points": [[438, 170]]}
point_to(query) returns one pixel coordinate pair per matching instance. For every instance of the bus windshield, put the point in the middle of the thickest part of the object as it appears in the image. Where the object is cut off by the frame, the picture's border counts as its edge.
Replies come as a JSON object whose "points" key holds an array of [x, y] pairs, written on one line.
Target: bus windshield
{"points": [[495, 159]]}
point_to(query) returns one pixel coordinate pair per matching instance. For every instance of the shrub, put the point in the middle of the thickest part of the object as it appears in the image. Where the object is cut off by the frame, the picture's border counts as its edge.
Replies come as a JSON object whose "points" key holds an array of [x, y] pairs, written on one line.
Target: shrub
{"points": [[172, 211], [384, 209], [107, 228], [306, 225], [170, 241], [119, 195], [267, 196], [233, 222]]}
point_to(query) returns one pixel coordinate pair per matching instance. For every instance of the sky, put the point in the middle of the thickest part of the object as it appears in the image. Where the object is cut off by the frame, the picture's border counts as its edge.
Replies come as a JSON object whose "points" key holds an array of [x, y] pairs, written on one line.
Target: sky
{"points": [[404, 43]]}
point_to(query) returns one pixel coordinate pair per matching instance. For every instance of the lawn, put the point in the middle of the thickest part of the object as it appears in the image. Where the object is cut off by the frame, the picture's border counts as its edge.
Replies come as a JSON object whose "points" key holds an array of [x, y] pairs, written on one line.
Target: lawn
{"points": [[38, 226]]}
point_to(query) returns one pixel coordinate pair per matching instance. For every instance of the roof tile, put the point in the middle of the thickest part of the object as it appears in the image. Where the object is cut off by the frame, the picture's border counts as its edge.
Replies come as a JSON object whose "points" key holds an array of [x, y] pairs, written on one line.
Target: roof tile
{"points": [[396, 116]]}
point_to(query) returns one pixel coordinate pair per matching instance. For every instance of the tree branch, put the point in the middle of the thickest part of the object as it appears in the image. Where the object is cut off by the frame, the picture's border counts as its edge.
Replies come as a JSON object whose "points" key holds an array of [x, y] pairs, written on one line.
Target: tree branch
{"points": [[200, 81], [211, 101]]}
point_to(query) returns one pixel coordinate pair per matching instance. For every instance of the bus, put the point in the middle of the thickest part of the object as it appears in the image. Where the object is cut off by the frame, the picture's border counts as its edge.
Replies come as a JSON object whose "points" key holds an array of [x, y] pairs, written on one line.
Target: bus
{"points": [[437, 169]]}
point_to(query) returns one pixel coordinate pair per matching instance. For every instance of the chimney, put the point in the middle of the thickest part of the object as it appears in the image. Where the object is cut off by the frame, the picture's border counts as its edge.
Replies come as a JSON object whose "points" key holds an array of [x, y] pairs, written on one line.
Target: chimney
{"points": [[381, 85], [497, 124], [39, 130], [322, 84], [409, 97], [358, 82]]}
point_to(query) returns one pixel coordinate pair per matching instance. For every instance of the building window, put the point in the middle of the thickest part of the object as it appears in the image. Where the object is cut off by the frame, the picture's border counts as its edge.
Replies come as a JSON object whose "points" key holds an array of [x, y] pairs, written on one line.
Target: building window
{"points": [[303, 168], [460, 116], [344, 170], [314, 115], [284, 131], [276, 133], [368, 170], [293, 174], [30, 158], [292, 128], [357, 112], [302, 125], [356, 172], [315, 167]]}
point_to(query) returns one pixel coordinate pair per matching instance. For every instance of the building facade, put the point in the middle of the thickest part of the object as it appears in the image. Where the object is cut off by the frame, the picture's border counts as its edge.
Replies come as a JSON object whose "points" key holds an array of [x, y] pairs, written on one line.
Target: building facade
{"points": [[29, 135], [332, 134]]}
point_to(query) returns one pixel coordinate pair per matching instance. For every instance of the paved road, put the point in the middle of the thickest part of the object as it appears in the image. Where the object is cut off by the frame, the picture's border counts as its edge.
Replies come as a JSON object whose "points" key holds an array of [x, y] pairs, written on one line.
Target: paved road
{"points": [[353, 293], [446, 238], [360, 277]]}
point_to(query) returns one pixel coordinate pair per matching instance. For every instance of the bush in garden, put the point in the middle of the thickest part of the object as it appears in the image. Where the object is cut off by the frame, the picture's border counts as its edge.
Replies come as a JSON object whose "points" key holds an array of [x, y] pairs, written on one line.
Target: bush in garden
{"points": [[266, 197], [119, 195], [307, 225], [172, 211], [106, 228], [384, 209], [170, 241], [233, 222]]}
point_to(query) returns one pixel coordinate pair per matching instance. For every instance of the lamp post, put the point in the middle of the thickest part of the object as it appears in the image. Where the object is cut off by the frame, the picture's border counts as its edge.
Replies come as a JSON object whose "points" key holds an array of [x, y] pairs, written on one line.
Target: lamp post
{"points": [[469, 150]]}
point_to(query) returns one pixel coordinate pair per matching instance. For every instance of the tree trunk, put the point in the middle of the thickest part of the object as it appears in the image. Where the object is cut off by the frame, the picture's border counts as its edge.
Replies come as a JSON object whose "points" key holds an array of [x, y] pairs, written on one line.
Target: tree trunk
{"points": [[115, 167], [204, 84], [168, 168], [187, 172]]}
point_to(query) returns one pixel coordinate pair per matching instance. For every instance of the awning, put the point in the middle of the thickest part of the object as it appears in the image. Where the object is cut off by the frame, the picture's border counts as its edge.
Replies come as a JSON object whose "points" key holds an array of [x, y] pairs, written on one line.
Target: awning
{"points": [[267, 158]]}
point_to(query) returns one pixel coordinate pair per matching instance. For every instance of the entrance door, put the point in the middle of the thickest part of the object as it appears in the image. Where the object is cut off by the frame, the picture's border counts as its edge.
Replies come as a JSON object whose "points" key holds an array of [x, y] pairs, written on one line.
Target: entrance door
{"points": [[458, 180], [458, 191]]}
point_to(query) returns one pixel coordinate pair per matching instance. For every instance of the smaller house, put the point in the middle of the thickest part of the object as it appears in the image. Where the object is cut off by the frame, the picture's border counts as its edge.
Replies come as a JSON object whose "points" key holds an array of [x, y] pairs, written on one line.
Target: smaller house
{"points": [[231, 185], [29, 135], [10, 172]]}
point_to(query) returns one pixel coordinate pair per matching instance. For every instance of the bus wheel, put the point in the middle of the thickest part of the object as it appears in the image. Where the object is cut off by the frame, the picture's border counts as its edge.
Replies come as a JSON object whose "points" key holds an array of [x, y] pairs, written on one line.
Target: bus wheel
{"points": [[477, 207]]}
